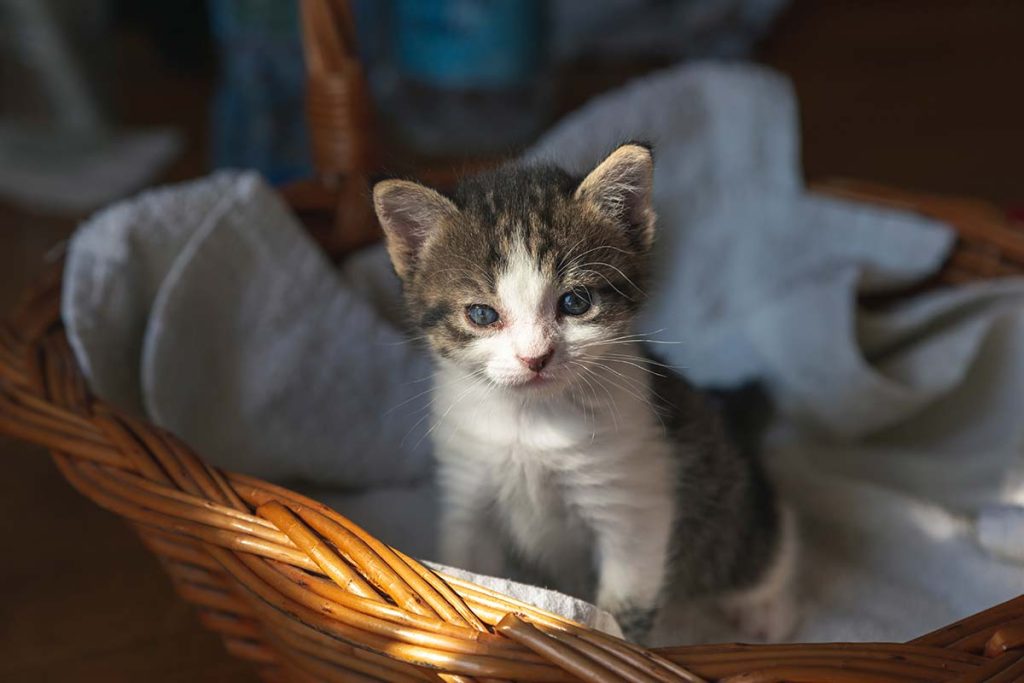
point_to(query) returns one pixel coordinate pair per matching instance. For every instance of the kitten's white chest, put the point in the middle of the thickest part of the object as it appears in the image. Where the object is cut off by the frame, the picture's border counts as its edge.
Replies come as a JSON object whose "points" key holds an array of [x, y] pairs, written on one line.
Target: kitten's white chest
{"points": [[536, 463], [487, 426], [524, 461]]}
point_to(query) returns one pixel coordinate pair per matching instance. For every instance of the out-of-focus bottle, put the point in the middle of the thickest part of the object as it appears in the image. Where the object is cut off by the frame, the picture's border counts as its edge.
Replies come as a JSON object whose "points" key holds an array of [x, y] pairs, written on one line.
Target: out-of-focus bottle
{"points": [[464, 76], [259, 112]]}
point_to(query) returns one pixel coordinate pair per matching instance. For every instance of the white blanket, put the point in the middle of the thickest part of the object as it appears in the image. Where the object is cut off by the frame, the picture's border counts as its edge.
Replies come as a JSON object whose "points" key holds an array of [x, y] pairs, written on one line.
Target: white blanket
{"points": [[205, 307]]}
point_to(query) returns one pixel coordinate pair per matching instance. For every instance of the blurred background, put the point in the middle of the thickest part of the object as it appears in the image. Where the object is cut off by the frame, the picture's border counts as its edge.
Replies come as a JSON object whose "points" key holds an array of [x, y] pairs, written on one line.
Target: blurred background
{"points": [[101, 98]]}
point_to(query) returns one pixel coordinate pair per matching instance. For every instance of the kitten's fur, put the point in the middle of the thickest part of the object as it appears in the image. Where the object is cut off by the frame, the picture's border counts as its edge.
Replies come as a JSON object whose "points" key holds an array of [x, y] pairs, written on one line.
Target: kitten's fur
{"points": [[602, 465]]}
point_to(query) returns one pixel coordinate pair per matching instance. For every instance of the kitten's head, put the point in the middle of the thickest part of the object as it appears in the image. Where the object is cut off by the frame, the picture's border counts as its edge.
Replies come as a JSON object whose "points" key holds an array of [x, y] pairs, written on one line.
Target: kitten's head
{"points": [[526, 275]]}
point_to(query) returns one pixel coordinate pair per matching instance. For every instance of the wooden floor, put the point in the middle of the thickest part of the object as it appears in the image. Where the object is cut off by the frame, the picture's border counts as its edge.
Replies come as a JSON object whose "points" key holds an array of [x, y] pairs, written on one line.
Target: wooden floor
{"points": [[922, 93]]}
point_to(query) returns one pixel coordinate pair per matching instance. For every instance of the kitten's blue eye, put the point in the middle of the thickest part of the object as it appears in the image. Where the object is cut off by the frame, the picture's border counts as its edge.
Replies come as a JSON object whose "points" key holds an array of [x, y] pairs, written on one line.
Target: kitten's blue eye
{"points": [[575, 302], [481, 315]]}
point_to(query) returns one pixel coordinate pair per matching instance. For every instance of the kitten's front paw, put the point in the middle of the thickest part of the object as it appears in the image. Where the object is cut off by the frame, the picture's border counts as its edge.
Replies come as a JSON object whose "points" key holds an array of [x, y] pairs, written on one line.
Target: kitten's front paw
{"points": [[635, 622], [634, 611], [767, 620], [768, 611]]}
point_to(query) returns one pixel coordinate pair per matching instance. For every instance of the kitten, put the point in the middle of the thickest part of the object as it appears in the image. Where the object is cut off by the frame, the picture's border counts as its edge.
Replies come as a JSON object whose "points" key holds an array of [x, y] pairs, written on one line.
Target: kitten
{"points": [[555, 434]]}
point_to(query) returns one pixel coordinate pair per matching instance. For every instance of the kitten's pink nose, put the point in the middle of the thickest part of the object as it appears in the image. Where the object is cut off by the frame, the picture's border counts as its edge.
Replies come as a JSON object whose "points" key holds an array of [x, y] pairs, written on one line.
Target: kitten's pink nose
{"points": [[537, 363]]}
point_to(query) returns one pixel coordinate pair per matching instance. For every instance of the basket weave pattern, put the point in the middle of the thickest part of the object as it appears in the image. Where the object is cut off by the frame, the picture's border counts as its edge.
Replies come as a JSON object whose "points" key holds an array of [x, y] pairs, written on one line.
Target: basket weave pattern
{"points": [[306, 595]]}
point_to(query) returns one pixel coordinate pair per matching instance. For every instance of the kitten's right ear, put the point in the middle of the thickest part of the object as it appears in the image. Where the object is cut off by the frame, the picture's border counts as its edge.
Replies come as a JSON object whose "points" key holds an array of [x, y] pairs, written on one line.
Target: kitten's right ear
{"points": [[409, 214]]}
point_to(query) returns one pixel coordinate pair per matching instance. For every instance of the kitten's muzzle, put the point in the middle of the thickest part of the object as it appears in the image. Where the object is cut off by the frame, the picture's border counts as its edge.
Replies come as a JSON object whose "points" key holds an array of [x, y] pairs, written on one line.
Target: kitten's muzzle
{"points": [[537, 363]]}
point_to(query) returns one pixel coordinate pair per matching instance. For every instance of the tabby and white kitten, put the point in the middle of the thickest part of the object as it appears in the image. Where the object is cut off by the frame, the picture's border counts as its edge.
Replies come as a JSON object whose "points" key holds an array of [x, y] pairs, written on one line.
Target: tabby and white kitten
{"points": [[556, 437]]}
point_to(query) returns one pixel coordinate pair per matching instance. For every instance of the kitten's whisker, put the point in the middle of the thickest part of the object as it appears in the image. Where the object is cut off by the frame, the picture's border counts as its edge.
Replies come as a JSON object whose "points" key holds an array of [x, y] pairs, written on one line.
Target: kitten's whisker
{"points": [[406, 401], [586, 381], [602, 247], [431, 389], [402, 342], [583, 402], [601, 379], [618, 342], [642, 359], [611, 400], [421, 379], [633, 363], [610, 283], [468, 273], [566, 264], [593, 408], [406, 340], [454, 403], [642, 387], [632, 337], [427, 412], [646, 400], [576, 258], [412, 429], [632, 386], [478, 267], [617, 270]]}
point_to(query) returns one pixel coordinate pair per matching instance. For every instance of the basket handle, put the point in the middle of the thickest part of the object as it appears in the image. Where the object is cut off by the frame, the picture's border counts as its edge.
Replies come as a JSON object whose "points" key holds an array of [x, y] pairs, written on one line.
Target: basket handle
{"points": [[336, 203]]}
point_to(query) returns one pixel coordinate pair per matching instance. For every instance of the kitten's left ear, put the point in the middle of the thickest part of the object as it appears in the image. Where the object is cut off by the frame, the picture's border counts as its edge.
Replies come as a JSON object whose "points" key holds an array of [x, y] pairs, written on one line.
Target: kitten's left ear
{"points": [[621, 186]]}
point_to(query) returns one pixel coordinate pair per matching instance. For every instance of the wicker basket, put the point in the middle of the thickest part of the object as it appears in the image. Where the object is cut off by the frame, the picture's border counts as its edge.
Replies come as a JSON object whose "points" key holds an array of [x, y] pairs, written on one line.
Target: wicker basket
{"points": [[306, 595]]}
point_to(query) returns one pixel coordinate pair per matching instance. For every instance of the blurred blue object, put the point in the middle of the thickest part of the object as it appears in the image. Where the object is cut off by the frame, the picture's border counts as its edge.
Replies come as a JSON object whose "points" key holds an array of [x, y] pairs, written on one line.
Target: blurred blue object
{"points": [[459, 76], [488, 44], [667, 29], [449, 77], [258, 114]]}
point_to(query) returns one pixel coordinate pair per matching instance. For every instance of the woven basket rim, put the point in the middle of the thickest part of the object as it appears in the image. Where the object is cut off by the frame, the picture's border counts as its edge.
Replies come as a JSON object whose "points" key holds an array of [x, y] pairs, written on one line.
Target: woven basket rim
{"points": [[306, 594]]}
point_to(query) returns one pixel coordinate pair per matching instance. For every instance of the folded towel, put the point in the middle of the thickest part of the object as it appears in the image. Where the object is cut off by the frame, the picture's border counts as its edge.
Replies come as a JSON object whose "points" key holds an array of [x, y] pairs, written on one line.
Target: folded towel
{"points": [[206, 307]]}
